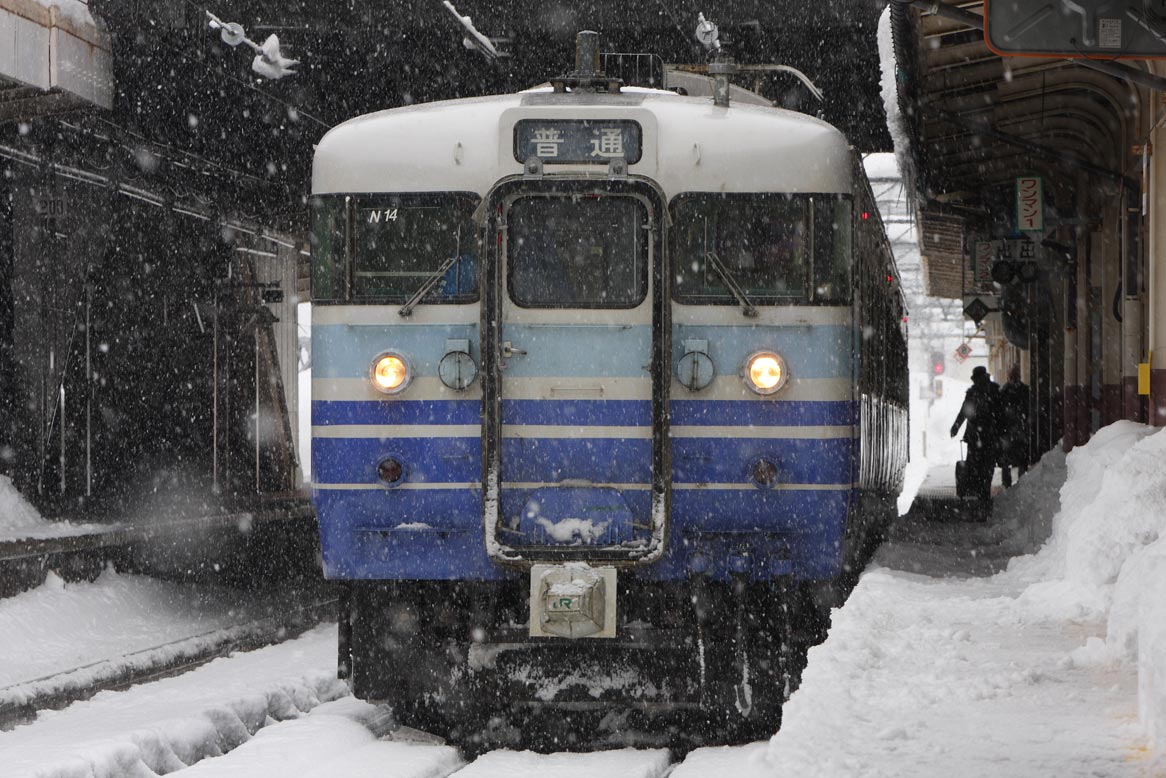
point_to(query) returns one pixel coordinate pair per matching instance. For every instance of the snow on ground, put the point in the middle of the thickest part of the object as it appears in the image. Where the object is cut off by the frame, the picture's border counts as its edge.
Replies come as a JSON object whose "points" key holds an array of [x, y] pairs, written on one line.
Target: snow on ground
{"points": [[952, 657], [19, 520], [621, 763], [160, 727], [115, 623], [334, 739], [1054, 666]]}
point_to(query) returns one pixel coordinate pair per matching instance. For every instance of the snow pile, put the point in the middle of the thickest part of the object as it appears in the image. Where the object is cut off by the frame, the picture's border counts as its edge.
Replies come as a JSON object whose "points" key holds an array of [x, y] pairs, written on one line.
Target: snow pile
{"points": [[1055, 666], [17, 516], [626, 763], [160, 727], [60, 637], [1109, 551], [578, 531], [889, 89], [335, 739], [20, 521]]}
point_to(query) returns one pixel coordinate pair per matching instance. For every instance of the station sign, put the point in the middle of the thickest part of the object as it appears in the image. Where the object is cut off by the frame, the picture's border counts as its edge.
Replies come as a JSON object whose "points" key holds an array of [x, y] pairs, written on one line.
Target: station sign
{"points": [[978, 307], [988, 253], [1090, 29], [578, 141], [1030, 204]]}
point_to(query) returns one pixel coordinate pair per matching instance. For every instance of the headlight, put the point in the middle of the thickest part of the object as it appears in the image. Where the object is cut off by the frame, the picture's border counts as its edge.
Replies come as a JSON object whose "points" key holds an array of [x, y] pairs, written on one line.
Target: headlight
{"points": [[389, 373], [765, 372]]}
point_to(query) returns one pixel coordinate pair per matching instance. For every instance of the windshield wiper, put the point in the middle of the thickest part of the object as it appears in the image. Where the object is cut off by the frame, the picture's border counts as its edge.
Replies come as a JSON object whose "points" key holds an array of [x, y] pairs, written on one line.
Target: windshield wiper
{"points": [[425, 288], [746, 306], [432, 279]]}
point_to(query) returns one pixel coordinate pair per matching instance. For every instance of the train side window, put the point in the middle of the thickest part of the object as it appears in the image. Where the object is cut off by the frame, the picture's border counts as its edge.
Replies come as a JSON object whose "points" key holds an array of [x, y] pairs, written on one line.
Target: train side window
{"points": [[577, 251], [401, 242], [773, 246], [833, 241], [761, 241], [329, 247]]}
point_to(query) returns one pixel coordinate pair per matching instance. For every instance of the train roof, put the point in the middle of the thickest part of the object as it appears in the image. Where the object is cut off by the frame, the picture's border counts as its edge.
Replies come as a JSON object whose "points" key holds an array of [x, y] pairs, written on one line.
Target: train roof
{"points": [[689, 144]]}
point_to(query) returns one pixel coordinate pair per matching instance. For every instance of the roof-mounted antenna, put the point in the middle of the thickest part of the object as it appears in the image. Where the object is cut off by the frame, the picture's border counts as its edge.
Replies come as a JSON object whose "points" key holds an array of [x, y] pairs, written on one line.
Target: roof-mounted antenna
{"points": [[722, 68], [587, 77]]}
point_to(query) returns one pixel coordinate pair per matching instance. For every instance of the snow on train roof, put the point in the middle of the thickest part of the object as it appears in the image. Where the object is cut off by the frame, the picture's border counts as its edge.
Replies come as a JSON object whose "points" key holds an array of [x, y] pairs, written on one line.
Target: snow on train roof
{"points": [[689, 144]]}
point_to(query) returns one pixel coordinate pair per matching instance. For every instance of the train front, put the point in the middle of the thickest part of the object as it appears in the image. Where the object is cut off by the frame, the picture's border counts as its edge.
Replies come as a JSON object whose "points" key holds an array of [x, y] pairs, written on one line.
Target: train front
{"points": [[582, 404]]}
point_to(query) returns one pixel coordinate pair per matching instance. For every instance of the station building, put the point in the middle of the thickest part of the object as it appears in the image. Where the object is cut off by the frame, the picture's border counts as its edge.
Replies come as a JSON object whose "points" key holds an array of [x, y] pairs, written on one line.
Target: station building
{"points": [[1032, 135]]}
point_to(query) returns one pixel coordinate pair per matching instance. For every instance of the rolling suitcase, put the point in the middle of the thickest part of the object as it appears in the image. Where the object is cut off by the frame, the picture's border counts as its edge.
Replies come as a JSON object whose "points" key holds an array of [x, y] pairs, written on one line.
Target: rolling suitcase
{"points": [[961, 473]]}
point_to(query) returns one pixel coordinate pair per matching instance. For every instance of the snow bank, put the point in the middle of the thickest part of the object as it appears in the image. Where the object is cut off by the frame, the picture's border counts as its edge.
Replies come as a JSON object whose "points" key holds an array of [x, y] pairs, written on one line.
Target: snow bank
{"points": [[334, 739], [61, 636], [1109, 549], [889, 89], [20, 521], [625, 763], [17, 516], [160, 727]]}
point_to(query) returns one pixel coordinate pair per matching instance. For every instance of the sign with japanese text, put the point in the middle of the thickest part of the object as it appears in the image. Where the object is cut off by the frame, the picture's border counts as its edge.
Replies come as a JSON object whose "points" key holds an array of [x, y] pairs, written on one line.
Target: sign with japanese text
{"points": [[575, 141], [985, 254], [1030, 204]]}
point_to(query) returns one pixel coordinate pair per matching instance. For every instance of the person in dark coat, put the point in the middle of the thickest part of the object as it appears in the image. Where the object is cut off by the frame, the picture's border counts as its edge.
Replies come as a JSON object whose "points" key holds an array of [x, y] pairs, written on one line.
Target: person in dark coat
{"points": [[981, 410], [1013, 426]]}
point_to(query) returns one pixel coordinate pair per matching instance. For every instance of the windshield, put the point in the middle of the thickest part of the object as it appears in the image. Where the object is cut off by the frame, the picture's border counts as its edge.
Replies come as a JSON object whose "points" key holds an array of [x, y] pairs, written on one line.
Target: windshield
{"points": [[578, 251], [766, 245], [401, 241], [385, 248]]}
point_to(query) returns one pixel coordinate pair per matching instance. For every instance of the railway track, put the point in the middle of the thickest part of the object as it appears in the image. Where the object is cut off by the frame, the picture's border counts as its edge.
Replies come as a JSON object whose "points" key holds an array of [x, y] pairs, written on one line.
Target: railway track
{"points": [[20, 702], [336, 740], [82, 550]]}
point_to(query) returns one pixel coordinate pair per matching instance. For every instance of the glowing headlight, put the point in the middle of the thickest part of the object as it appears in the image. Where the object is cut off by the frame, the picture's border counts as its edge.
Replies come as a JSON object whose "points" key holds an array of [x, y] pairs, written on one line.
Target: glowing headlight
{"points": [[765, 372], [389, 373]]}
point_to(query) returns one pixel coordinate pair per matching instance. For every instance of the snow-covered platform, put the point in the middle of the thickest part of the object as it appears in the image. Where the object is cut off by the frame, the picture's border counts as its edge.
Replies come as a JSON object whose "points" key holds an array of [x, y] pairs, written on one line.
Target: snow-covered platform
{"points": [[937, 498], [1033, 644]]}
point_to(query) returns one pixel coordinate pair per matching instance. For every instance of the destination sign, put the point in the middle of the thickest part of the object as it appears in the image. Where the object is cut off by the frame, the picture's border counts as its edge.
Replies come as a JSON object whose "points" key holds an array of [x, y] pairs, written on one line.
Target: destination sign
{"points": [[577, 141]]}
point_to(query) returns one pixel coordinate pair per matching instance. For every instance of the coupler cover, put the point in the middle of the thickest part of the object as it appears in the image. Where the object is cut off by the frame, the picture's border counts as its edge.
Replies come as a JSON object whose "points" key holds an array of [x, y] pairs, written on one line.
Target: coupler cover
{"points": [[572, 600]]}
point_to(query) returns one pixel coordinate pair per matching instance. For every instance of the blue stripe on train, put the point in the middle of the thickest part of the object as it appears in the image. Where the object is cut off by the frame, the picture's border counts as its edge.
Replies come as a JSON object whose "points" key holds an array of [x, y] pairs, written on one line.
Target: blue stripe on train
{"points": [[346, 351], [361, 536], [728, 413], [715, 460], [590, 413], [762, 413], [427, 460], [602, 460], [331, 412], [608, 351], [812, 351]]}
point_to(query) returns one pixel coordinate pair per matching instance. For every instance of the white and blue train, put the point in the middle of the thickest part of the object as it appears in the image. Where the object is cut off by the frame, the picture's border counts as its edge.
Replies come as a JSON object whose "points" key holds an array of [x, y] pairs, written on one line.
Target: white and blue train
{"points": [[609, 385]]}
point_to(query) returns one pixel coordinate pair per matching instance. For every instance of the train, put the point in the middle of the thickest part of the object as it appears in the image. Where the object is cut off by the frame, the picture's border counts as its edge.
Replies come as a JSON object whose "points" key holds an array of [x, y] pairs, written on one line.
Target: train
{"points": [[609, 402]]}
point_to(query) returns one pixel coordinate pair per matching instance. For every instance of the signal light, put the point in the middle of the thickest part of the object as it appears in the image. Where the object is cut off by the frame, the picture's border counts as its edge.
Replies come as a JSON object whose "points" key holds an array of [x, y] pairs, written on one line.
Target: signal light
{"points": [[865, 215], [938, 364]]}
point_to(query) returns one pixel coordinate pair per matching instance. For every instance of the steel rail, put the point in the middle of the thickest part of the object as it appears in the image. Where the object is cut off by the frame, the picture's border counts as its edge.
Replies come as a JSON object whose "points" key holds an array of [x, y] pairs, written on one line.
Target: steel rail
{"points": [[20, 702]]}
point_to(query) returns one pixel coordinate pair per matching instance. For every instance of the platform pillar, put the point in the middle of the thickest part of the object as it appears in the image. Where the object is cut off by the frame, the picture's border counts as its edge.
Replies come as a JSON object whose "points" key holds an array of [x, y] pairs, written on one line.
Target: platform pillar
{"points": [[1133, 335], [1070, 390], [1111, 353], [1156, 411]]}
